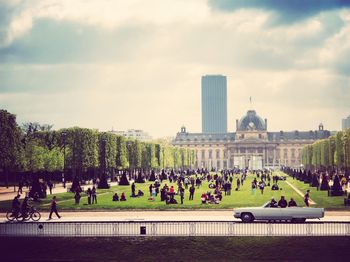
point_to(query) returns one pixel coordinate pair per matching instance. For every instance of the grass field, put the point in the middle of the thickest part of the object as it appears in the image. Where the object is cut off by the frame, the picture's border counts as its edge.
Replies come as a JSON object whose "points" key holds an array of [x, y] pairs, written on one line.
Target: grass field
{"points": [[241, 198], [176, 249]]}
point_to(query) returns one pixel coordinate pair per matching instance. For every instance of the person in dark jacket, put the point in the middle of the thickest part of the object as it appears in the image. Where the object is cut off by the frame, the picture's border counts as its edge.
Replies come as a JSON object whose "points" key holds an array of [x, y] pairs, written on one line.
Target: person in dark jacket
{"points": [[292, 203], [89, 193], [192, 189], [282, 203], [16, 205], [54, 208]]}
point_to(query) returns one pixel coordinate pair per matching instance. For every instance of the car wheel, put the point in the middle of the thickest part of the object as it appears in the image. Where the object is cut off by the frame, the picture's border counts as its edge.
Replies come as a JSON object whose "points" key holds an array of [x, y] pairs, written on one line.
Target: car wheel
{"points": [[247, 217]]}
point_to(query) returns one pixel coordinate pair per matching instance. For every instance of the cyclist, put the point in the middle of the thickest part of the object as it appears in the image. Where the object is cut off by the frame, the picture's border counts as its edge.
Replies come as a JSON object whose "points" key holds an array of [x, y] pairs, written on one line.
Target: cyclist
{"points": [[25, 206], [16, 205]]}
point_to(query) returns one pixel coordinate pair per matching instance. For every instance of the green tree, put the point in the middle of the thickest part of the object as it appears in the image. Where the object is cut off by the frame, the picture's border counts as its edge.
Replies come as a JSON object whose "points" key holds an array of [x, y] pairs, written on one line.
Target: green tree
{"points": [[339, 150], [107, 152], [121, 155], [10, 143], [82, 150], [331, 151]]}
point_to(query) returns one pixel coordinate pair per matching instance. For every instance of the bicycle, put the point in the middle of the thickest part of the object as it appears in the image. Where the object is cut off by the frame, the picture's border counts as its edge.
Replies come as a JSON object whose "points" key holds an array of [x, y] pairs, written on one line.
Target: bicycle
{"points": [[12, 215], [32, 214]]}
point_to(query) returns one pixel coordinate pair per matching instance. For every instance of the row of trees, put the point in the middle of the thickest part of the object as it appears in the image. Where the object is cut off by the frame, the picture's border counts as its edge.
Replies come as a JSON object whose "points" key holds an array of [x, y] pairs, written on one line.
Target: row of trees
{"points": [[329, 154], [81, 151]]}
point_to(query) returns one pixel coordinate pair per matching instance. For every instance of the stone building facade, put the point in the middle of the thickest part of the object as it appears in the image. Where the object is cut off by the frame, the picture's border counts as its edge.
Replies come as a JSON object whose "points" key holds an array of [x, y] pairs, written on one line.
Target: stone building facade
{"points": [[251, 146]]}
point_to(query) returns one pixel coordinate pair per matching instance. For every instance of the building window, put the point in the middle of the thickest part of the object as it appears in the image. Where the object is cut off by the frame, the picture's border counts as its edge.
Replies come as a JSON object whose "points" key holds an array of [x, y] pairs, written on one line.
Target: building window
{"points": [[218, 153], [218, 164], [242, 150], [285, 153], [260, 150], [278, 153], [225, 153], [203, 153], [210, 154], [293, 153]]}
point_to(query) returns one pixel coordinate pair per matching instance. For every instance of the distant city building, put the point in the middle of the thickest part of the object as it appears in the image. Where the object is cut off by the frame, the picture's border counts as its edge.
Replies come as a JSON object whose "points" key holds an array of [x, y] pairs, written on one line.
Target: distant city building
{"points": [[251, 146], [214, 104], [134, 133], [345, 123]]}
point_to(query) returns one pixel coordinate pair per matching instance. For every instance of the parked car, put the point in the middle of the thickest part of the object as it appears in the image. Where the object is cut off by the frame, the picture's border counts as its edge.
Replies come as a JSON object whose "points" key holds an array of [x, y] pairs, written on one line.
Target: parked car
{"points": [[265, 212]]}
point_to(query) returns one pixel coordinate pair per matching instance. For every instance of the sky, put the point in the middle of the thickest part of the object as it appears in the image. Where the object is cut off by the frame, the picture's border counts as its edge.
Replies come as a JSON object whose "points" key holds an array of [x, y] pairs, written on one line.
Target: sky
{"points": [[137, 64]]}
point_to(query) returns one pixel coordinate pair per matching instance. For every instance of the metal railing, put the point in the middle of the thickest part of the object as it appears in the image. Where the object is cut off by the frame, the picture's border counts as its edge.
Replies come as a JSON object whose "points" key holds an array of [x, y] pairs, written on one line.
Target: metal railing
{"points": [[173, 228]]}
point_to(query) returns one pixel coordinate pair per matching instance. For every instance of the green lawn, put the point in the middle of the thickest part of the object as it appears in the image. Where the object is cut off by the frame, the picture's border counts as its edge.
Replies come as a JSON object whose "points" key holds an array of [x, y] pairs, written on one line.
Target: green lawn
{"points": [[241, 198], [320, 197]]}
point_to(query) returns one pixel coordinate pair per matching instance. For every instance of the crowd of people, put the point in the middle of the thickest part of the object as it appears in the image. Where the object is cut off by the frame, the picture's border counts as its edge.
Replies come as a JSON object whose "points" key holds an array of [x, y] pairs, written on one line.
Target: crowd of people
{"points": [[218, 186]]}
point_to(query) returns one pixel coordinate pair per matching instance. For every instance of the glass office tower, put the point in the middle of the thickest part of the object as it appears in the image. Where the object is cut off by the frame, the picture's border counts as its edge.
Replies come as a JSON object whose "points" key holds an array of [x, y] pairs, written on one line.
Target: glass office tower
{"points": [[214, 104]]}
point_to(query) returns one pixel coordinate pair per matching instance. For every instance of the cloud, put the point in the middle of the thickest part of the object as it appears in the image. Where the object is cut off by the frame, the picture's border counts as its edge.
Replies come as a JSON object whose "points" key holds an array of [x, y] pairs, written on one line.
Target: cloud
{"points": [[286, 12], [138, 64], [17, 17]]}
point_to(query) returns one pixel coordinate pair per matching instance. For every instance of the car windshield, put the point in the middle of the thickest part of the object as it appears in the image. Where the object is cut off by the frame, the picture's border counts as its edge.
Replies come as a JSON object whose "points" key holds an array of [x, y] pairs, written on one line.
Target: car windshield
{"points": [[267, 204]]}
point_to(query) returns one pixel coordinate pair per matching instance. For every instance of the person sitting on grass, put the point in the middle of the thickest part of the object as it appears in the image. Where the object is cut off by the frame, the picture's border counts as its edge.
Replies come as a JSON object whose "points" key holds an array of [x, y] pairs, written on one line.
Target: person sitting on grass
{"points": [[218, 195], [275, 187], [140, 193], [115, 197], [292, 203], [122, 197], [204, 198]]}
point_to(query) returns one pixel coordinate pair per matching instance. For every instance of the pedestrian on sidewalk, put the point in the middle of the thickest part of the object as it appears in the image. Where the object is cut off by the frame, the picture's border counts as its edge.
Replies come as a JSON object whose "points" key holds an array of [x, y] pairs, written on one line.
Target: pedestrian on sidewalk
{"points": [[54, 208]]}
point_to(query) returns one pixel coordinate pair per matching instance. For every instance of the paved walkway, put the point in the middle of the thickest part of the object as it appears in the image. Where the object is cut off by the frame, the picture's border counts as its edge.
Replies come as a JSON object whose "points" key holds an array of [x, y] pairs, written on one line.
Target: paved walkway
{"points": [[9, 194]]}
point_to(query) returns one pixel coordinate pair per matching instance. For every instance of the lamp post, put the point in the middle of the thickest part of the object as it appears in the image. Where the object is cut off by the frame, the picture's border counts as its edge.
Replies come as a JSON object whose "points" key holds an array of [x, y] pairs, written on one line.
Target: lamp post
{"points": [[64, 135]]}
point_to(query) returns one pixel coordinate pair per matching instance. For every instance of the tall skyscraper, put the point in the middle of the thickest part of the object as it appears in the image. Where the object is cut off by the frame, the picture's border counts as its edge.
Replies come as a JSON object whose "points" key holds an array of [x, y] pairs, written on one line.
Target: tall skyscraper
{"points": [[345, 123], [214, 104]]}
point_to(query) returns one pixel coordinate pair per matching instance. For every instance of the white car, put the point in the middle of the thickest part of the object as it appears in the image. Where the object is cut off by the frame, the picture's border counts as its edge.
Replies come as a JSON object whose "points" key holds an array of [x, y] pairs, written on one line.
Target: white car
{"points": [[293, 214]]}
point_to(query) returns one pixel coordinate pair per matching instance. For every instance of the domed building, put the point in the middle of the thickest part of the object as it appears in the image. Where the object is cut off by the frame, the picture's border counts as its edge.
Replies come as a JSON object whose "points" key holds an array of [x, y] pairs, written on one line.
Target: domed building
{"points": [[251, 146]]}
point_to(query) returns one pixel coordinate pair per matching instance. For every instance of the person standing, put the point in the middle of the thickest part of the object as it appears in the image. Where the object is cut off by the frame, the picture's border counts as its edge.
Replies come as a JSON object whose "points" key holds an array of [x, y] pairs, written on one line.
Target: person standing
{"points": [[133, 189], [307, 198], [94, 195], [20, 188], [50, 184], [77, 197], [192, 189], [54, 208], [89, 193], [182, 194]]}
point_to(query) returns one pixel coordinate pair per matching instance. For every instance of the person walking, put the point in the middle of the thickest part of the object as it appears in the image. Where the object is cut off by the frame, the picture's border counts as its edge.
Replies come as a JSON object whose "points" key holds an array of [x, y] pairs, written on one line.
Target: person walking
{"points": [[54, 208], [307, 198]]}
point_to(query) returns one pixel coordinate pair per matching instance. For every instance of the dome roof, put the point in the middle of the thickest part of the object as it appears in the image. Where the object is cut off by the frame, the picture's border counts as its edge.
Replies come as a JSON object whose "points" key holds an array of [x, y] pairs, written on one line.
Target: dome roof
{"points": [[251, 121]]}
